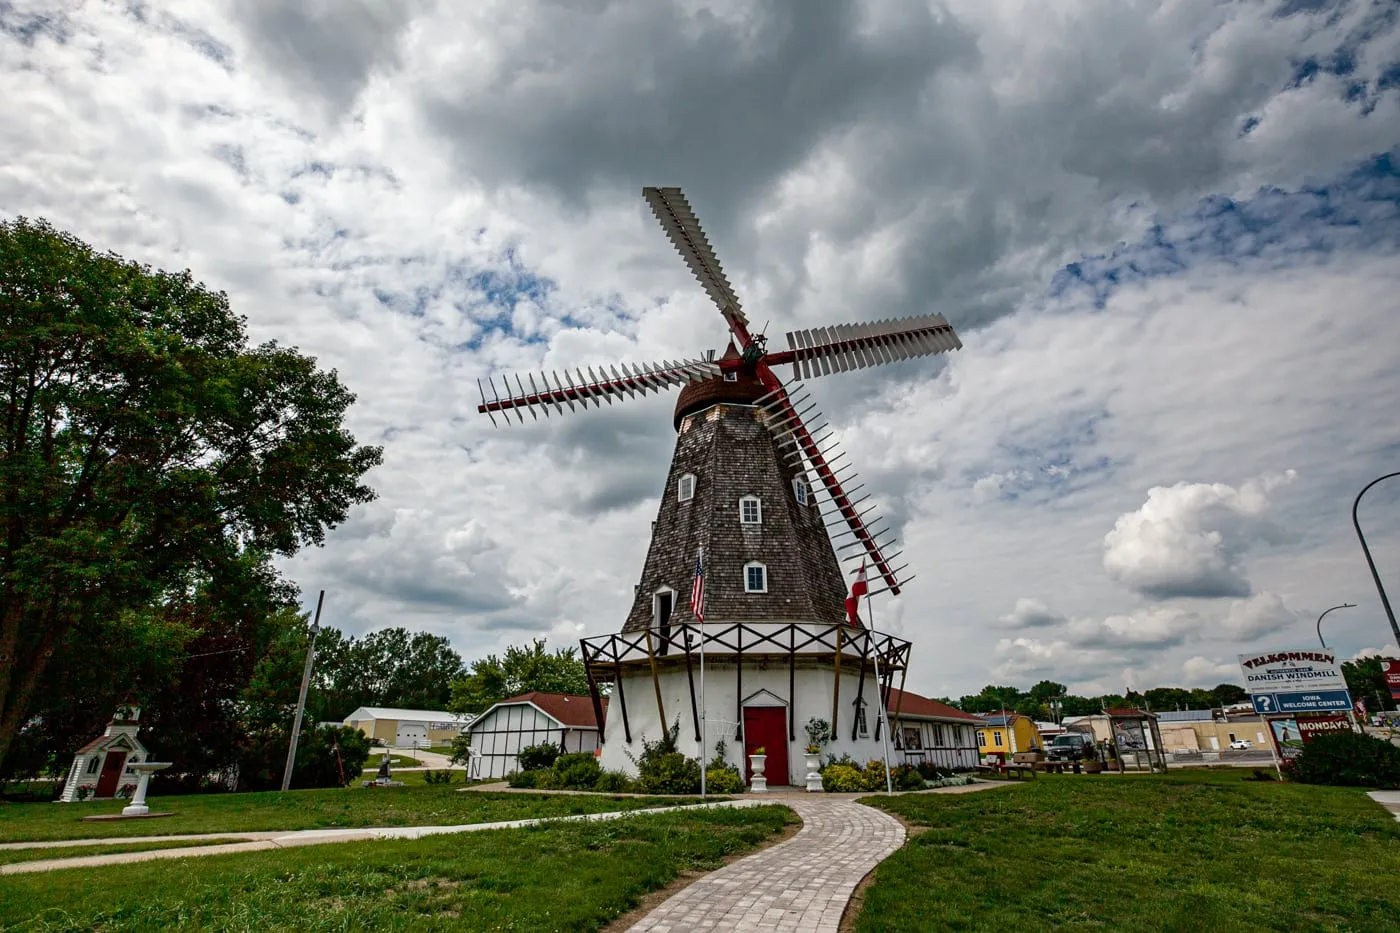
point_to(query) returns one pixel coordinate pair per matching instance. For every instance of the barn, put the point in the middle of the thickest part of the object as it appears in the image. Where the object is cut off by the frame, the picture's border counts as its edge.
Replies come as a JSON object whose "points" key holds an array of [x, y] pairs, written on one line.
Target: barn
{"points": [[407, 728], [531, 719]]}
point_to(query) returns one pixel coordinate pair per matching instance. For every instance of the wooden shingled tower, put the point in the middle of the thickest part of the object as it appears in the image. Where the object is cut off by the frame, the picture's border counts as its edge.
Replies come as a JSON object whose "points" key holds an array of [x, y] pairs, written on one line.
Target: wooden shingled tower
{"points": [[761, 499]]}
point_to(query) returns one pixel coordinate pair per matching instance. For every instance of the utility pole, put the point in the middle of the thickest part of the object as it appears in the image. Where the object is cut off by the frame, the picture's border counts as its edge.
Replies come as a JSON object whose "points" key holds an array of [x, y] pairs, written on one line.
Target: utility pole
{"points": [[301, 698]]}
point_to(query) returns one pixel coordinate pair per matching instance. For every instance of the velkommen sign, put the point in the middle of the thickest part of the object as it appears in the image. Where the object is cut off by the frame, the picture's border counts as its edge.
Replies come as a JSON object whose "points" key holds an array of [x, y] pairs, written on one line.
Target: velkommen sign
{"points": [[1308, 681]]}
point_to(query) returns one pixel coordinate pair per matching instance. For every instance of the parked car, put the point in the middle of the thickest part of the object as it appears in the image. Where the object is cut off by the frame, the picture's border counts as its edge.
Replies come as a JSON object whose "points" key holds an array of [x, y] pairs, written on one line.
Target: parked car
{"points": [[1241, 744], [1068, 747]]}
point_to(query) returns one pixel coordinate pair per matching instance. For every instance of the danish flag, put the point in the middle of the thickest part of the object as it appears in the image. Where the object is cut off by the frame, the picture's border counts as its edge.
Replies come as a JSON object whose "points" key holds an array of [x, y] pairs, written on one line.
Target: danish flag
{"points": [[858, 589]]}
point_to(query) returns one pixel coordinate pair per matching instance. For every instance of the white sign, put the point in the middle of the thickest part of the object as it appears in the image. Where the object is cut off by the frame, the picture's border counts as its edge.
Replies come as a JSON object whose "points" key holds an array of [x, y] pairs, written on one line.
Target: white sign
{"points": [[1292, 671]]}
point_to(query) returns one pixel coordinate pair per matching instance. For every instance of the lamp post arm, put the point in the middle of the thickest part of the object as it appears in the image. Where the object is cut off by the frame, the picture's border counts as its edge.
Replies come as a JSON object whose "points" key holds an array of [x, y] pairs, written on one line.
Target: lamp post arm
{"points": [[1324, 615], [1375, 575]]}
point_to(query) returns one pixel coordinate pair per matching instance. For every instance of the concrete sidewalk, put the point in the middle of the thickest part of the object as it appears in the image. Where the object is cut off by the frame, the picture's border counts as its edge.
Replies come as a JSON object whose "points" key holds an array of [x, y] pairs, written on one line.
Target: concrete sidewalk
{"points": [[261, 841]]}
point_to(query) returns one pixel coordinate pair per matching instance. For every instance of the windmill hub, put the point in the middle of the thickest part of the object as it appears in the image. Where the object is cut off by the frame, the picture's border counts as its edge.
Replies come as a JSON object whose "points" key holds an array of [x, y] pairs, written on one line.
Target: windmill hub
{"points": [[743, 567]]}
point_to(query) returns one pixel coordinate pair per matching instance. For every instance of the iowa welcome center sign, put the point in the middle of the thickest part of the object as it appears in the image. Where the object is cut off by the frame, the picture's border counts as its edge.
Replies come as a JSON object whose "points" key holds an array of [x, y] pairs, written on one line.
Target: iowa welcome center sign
{"points": [[1308, 681]]}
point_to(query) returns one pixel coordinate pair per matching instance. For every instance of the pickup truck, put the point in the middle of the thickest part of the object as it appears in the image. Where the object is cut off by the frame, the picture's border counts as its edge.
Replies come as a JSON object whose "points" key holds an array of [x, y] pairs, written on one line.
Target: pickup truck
{"points": [[1068, 747]]}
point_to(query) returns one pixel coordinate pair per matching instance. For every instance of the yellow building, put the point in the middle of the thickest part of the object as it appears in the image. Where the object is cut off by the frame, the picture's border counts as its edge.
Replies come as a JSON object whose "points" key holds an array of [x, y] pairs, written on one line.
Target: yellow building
{"points": [[1007, 733]]}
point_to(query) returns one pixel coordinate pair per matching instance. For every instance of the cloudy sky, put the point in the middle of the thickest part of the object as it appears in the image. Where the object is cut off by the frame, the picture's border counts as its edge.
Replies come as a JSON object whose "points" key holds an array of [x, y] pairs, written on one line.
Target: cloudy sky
{"points": [[1168, 234]]}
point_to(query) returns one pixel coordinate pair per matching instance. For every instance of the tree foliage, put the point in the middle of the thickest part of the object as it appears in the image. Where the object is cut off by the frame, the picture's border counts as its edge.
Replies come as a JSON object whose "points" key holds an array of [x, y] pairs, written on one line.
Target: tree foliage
{"points": [[522, 669], [144, 445], [1366, 681], [388, 667]]}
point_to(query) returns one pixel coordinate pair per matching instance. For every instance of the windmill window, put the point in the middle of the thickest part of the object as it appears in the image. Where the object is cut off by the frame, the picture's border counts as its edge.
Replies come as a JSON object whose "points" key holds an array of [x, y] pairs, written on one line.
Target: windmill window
{"points": [[755, 578], [663, 603], [862, 725], [685, 487], [750, 511], [731, 376], [800, 490]]}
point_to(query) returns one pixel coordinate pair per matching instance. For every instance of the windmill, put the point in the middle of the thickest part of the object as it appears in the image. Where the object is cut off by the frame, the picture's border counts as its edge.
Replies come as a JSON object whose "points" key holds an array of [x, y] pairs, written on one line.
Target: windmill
{"points": [[773, 584], [813, 352]]}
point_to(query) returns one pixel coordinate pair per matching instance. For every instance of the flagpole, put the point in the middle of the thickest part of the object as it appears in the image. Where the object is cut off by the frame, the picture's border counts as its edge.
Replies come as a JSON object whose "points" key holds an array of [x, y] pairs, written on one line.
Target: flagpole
{"points": [[884, 716]]}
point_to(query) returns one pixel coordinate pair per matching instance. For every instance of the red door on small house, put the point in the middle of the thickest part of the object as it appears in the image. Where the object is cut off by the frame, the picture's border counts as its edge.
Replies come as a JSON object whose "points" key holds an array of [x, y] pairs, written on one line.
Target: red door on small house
{"points": [[766, 727], [112, 767]]}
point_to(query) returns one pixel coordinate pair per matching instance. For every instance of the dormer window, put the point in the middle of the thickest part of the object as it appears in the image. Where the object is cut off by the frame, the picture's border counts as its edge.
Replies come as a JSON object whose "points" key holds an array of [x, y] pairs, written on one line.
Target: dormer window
{"points": [[731, 376], [685, 487], [800, 490], [755, 578], [750, 511]]}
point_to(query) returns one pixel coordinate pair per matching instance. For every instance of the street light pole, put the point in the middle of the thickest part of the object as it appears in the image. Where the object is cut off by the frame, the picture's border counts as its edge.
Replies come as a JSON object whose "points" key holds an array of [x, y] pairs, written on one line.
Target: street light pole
{"points": [[301, 698], [1385, 602], [1319, 620]]}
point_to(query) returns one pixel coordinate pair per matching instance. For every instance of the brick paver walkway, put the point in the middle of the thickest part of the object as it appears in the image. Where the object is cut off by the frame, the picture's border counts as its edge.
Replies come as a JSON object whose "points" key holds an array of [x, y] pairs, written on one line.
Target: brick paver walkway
{"points": [[802, 884]]}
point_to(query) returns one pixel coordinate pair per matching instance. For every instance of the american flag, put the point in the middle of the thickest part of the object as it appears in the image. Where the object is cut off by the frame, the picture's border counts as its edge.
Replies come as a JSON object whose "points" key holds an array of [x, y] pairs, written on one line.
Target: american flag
{"points": [[697, 589]]}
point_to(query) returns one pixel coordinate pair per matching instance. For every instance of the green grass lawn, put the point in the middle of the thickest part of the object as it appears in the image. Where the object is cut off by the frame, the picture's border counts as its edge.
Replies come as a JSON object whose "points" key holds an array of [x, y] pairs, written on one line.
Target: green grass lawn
{"points": [[575, 876], [420, 805], [1190, 851]]}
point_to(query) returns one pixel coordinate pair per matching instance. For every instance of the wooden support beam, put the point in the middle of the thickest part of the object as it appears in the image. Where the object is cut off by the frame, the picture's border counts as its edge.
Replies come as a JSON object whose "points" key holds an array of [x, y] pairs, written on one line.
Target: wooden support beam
{"points": [[860, 690], [739, 693], [836, 686], [694, 710], [792, 693], [622, 702], [597, 698], [656, 682]]}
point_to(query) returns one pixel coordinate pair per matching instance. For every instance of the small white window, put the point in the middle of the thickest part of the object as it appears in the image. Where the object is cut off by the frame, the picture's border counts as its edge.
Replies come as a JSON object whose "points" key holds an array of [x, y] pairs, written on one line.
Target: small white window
{"points": [[685, 487], [755, 578], [799, 490], [750, 511], [862, 727], [92, 765], [731, 376]]}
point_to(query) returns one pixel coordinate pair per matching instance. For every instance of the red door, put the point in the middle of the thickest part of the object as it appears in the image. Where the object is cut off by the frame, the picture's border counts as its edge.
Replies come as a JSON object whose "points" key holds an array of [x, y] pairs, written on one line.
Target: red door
{"points": [[112, 767], [766, 727]]}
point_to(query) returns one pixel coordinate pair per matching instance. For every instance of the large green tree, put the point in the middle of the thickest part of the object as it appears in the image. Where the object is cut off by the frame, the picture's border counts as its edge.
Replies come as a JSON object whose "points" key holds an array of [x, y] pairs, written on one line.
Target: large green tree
{"points": [[144, 443], [1366, 682], [522, 669]]}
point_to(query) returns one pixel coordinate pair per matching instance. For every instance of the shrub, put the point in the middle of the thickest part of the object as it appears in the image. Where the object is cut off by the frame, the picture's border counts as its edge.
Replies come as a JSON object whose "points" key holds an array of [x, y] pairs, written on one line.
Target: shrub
{"points": [[614, 782], [663, 770], [1347, 759], [669, 773], [931, 772], [906, 777], [577, 771], [536, 757], [724, 781], [523, 778], [874, 776], [842, 779], [437, 777], [329, 756]]}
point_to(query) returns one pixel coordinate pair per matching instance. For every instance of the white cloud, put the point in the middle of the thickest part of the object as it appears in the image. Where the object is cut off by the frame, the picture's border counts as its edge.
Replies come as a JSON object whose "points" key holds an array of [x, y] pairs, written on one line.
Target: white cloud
{"points": [[1384, 651], [423, 194], [1198, 671], [1190, 539], [1260, 615], [1030, 613]]}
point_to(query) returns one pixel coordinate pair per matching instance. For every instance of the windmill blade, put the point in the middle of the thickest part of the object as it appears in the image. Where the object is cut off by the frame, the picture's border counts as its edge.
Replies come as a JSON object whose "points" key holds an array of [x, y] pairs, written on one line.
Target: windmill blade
{"points": [[683, 229], [610, 385], [785, 421], [822, 350]]}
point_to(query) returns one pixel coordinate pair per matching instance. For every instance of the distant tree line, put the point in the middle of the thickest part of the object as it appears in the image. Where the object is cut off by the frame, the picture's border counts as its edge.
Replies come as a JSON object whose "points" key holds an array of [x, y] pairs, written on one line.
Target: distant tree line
{"points": [[1048, 700]]}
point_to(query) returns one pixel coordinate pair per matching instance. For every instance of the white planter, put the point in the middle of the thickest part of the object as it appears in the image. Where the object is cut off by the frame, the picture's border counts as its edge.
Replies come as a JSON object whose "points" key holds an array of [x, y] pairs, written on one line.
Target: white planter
{"points": [[814, 777], [758, 784]]}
